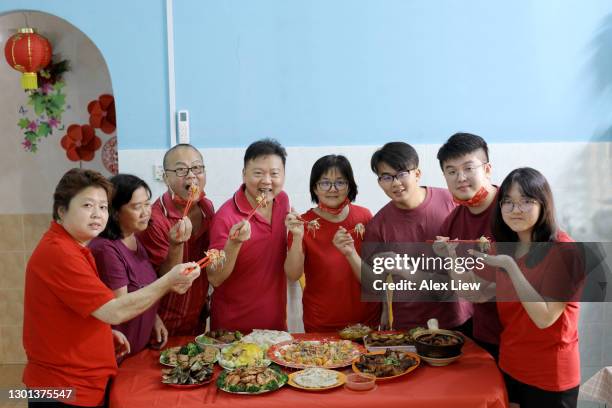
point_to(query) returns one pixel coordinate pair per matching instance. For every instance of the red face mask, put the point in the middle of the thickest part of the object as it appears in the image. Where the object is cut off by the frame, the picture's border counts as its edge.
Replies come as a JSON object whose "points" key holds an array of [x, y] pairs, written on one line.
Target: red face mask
{"points": [[334, 211], [475, 201]]}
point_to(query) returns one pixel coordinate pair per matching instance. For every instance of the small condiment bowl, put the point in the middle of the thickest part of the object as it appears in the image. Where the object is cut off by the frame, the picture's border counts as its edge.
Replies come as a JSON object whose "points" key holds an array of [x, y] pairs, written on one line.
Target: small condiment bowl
{"points": [[360, 381]]}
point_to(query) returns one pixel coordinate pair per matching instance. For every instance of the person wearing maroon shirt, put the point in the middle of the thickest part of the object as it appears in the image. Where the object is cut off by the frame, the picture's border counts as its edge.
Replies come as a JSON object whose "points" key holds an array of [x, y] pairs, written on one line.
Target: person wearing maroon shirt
{"points": [[332, 295], [172, 238], [413, 215], [122, 261], [251, 286], [539, 353], [464, 160]]}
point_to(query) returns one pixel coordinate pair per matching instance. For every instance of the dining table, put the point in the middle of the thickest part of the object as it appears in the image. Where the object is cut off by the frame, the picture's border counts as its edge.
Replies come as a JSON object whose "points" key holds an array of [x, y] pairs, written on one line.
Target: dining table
{"points": [[473, 381]]}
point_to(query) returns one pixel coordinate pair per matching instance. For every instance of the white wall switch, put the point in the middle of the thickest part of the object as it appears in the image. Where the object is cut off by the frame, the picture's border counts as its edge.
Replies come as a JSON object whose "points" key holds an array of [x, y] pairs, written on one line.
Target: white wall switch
{"points": [[182, 123], [158, 172]]}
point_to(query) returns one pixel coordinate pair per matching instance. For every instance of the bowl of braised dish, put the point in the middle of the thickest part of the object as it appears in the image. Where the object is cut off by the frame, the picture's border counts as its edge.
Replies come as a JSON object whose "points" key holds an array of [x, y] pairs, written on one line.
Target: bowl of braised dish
{"points": [[438, 343]]}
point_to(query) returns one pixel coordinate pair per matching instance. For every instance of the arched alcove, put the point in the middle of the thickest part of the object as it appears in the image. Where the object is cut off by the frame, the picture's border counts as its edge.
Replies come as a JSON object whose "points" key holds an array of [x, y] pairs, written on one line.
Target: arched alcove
{"points": [[33, 157]]}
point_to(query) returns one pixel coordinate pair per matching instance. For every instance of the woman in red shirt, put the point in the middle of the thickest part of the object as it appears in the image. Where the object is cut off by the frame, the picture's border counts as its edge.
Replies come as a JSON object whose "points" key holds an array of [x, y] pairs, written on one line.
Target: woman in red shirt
{"points": [[332, 295], [68, 311], [539, 353]]}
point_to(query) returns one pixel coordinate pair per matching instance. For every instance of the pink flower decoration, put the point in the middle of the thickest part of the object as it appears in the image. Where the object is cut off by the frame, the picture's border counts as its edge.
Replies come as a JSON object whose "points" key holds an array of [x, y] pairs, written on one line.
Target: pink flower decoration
{"points": [[32, 126], [53, 122], [46, 88], [27, 144]]}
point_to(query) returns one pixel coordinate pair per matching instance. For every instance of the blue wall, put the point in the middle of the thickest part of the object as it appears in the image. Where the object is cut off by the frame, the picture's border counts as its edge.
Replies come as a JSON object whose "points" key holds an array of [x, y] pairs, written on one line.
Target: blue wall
{"points": [[131, 35], [317, 72]]}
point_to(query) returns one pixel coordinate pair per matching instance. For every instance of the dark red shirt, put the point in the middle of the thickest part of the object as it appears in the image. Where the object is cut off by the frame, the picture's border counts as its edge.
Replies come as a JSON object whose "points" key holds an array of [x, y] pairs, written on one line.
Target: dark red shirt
{"points": [[254, 296], [182, 314], [393, 225], [462, 224], [121, 267]]}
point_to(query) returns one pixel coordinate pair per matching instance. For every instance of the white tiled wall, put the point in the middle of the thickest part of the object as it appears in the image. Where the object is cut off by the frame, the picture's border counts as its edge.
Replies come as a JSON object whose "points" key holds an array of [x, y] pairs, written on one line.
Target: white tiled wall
{"points": [[580, 175]]}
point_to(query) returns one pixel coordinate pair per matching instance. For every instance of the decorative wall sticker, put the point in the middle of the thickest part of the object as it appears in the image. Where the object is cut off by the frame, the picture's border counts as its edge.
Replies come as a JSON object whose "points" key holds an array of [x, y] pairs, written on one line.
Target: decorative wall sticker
{"points": [[81, 143], [110, 157], [102, 113], [48, 102]]}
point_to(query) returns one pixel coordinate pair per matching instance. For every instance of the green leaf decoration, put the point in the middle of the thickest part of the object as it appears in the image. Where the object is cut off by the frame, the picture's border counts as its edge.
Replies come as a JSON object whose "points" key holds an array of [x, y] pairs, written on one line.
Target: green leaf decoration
{"points": [[31, 136], [23, 123], [46, 106], [44, 129]]}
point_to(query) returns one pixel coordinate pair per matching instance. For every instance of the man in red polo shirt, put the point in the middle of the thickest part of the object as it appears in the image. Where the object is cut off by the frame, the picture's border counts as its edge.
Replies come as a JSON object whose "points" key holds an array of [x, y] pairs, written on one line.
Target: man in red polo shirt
{"points": [[251, 287], [171, 238]]}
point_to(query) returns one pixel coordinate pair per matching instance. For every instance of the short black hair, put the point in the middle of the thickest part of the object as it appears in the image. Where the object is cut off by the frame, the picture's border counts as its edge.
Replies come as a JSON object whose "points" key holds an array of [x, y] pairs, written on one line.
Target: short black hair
{"points": [[177, 147], [264, 147], [399, 155], [461, 144], [323, 165], [124, 186]]}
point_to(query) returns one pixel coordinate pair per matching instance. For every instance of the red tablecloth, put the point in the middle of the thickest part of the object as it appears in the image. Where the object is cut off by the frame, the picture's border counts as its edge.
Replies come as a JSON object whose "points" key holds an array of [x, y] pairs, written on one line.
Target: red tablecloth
{"points": [[471, 382]]}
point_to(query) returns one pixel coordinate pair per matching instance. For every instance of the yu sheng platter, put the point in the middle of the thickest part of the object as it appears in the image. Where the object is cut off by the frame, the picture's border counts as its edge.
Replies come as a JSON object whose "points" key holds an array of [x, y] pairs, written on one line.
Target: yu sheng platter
{"points": [[315, 353]]}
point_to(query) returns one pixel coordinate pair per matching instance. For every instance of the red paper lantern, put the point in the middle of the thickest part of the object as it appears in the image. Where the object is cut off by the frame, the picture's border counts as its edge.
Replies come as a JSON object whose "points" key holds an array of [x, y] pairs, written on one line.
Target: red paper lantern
{"points": [[28, 52]]}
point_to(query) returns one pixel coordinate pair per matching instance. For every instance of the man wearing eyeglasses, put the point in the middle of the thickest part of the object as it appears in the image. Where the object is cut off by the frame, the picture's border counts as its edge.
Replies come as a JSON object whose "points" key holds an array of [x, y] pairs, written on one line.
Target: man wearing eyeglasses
{"points": [[464, 160], [172, 238], [413, 215]]}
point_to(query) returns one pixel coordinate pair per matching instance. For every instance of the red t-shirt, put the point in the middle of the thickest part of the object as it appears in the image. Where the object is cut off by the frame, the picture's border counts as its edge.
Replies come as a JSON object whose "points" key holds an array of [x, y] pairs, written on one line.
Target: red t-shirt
{"points": [[462, 224], [545, 358], [181, 313], [393, 225], [332, 295], [254, 296], [66, 346]]}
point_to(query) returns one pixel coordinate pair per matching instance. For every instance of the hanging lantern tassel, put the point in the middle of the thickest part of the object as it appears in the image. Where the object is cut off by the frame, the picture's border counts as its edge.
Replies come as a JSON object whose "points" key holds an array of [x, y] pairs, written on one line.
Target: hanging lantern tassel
{"points": [[28, 53]]}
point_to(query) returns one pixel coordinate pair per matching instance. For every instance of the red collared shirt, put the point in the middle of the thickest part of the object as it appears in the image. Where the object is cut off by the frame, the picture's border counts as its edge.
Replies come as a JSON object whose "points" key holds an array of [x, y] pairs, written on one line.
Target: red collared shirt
{"points": [[66, 346], [254, 296], [181, 313]]}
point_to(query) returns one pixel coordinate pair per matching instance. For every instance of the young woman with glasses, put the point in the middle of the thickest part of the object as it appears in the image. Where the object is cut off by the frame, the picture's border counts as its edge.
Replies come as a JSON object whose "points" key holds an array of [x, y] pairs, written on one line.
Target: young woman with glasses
{"points": [[539, 353], [319, 239]]}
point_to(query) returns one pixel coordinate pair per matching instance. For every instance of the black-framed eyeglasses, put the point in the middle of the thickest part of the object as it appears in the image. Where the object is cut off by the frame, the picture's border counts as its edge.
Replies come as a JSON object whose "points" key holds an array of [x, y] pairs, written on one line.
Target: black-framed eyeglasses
{"points": [[388, 178], [326, 185], [183, 171], [524, 205], [468, 171]]}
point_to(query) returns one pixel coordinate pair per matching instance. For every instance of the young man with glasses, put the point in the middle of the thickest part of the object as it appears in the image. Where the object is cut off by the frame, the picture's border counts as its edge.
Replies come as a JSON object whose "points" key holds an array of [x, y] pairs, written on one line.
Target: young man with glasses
{"points": [[172, 238], [412, 216], [464, 160]]}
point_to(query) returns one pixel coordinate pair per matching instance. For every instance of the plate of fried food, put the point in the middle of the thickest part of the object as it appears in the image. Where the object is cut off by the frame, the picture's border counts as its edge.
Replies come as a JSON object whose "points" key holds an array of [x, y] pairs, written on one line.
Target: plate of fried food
{"points": [[218, 338], [355, 332], [386, 365], [316, 379], [251, 380], [192, 352], [315, 353]]}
